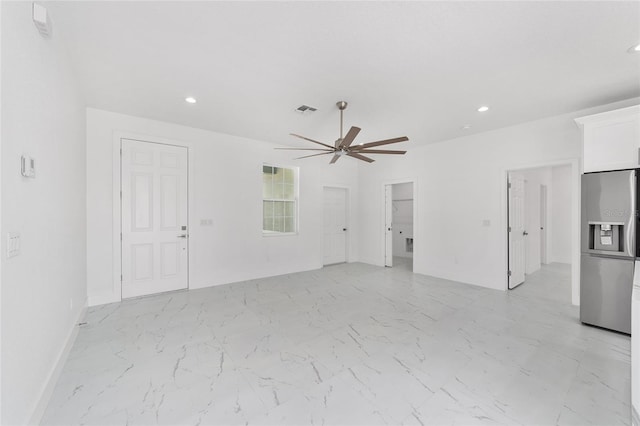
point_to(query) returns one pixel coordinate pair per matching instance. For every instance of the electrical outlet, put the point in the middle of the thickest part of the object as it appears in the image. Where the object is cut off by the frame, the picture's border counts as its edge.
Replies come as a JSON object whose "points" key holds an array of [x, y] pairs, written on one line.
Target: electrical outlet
{"points": [[13, 244], [27, 166]]}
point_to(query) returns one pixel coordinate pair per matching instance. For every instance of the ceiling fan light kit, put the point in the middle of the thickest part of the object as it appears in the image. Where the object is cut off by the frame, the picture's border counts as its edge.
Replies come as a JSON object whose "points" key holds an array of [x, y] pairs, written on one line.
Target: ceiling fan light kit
{"points": [[342, 145]]}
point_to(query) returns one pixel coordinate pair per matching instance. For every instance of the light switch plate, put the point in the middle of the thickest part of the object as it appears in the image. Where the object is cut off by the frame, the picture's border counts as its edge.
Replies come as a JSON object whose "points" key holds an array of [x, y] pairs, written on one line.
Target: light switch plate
{"points": [[13, 244]]}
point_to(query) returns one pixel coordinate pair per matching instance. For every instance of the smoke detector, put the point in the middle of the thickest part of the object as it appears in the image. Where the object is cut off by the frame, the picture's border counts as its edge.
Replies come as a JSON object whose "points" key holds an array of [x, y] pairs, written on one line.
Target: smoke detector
{"points": [[305, 109]]}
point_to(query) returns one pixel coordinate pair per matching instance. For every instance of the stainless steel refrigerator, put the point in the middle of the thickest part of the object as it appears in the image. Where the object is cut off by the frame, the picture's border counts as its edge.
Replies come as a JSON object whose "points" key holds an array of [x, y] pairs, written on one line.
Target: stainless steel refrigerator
{"points": [[608, 244]]}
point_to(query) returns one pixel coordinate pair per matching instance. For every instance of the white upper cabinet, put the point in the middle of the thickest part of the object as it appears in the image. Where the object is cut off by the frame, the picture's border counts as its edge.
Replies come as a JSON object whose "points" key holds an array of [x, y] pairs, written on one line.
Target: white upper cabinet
{"points": [[611, 140]]}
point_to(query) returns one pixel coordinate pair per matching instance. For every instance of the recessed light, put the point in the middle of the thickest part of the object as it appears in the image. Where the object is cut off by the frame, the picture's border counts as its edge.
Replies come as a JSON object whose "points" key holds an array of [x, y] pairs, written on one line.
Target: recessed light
{"points": [[634, 49], [190, 100], [483, 108], [466, 127]]}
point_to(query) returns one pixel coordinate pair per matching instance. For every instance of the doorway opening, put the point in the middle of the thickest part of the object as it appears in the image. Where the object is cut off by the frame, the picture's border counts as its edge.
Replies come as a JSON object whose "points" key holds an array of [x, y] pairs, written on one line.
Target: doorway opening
{"points": [[399, 227], [539, 228]]}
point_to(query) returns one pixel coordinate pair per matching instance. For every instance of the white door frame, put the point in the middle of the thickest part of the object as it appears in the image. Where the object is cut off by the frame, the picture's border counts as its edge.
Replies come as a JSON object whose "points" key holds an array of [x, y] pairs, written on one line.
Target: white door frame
{"points": [[575, 214], [117, 203], [348, 221], [544, 226], [388, 226], [417, 244]]}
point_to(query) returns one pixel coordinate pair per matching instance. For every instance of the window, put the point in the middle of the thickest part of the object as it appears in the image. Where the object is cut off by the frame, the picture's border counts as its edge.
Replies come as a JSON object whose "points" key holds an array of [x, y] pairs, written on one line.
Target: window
{"points": [[279, 200]]}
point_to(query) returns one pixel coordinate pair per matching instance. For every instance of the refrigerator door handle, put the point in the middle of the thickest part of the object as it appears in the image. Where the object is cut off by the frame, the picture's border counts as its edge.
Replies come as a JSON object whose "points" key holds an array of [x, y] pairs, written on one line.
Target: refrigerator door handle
{"points": [[631, 231], [631, 249]]}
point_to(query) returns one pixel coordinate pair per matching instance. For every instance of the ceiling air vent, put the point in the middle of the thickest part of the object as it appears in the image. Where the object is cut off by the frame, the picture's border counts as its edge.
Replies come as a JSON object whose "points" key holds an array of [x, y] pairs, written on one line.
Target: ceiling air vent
{"points": [[306, 109]]}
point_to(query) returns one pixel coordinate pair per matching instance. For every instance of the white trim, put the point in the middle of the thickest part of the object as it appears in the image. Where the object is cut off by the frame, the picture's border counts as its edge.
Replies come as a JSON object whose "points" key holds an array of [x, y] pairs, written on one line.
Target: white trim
{"points": [[350, 232], [575, 214], [101, 299], [1, 253], [271, 234], [116, 295], [615, 115], [417, 249], [56, 371]]}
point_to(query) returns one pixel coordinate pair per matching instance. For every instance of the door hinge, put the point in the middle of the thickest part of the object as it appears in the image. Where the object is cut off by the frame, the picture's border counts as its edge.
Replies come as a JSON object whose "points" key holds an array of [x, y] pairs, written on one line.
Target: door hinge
{"points": [[508, 273], [121, 236], [509, 229], [509, 185], [121, 278]]}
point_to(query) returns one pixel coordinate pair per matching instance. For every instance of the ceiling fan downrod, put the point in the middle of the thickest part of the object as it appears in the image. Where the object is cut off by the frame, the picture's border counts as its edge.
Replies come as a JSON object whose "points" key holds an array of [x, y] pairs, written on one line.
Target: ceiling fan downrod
{"points": [[342, 105]]}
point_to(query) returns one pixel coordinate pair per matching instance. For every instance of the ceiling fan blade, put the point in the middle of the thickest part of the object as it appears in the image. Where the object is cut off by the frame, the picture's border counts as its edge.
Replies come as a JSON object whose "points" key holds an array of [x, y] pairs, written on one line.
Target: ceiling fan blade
{"points": [[351, 135], [314, 155], [380, 151], [334, 159], [360, 157], [311, 140], [306, 149], [378, 143]]}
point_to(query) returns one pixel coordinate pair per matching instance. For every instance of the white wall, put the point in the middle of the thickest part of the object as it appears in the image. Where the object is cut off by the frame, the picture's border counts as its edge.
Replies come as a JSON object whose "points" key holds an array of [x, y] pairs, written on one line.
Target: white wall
{"points": [[225, 186], [402, 212], [460, 184], [1, 213], [44, 288], [561, 220], [533, 179]]}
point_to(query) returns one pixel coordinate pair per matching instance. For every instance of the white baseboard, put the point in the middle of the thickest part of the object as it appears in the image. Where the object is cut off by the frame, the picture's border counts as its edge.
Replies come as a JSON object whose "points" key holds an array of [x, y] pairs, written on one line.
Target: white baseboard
{"points": [[50, 384], [103, 299]]}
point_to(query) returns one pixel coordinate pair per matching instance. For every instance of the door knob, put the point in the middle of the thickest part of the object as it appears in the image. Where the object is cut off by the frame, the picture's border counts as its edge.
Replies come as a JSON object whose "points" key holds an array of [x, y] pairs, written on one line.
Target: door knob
{"points": [[525, 233], [344, 229], [183, 236]]}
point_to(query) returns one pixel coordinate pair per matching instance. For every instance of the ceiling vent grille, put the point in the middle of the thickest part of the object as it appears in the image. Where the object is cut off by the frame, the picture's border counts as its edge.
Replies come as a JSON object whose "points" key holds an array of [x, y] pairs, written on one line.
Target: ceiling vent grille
{"points": [[306, 109]]}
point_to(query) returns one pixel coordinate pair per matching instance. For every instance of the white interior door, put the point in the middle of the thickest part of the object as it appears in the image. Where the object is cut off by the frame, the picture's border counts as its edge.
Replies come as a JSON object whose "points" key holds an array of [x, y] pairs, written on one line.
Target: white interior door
{"points": [[388, 225], [516, 229], [543, 224], [155, 245], [335, 225]]}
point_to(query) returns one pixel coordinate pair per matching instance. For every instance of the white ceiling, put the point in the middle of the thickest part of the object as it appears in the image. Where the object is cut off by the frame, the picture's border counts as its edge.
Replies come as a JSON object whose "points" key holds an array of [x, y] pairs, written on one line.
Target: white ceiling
{"points": [[419, 69]]}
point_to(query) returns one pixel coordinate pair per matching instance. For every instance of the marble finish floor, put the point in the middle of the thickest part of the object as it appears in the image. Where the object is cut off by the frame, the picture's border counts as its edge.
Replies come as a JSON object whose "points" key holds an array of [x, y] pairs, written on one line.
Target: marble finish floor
{"points": [[552, 282], [346, 345], [405, 263]]}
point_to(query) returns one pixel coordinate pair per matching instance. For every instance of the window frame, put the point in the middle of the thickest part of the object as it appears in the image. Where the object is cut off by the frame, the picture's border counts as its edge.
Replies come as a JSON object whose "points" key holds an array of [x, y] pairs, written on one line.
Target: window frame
{"points": [[295, 200]]}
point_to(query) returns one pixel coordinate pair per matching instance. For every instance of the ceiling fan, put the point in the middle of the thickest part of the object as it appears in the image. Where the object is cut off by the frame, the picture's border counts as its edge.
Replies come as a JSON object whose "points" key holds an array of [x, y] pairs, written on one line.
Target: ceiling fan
{"points": [[342, 145]]}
